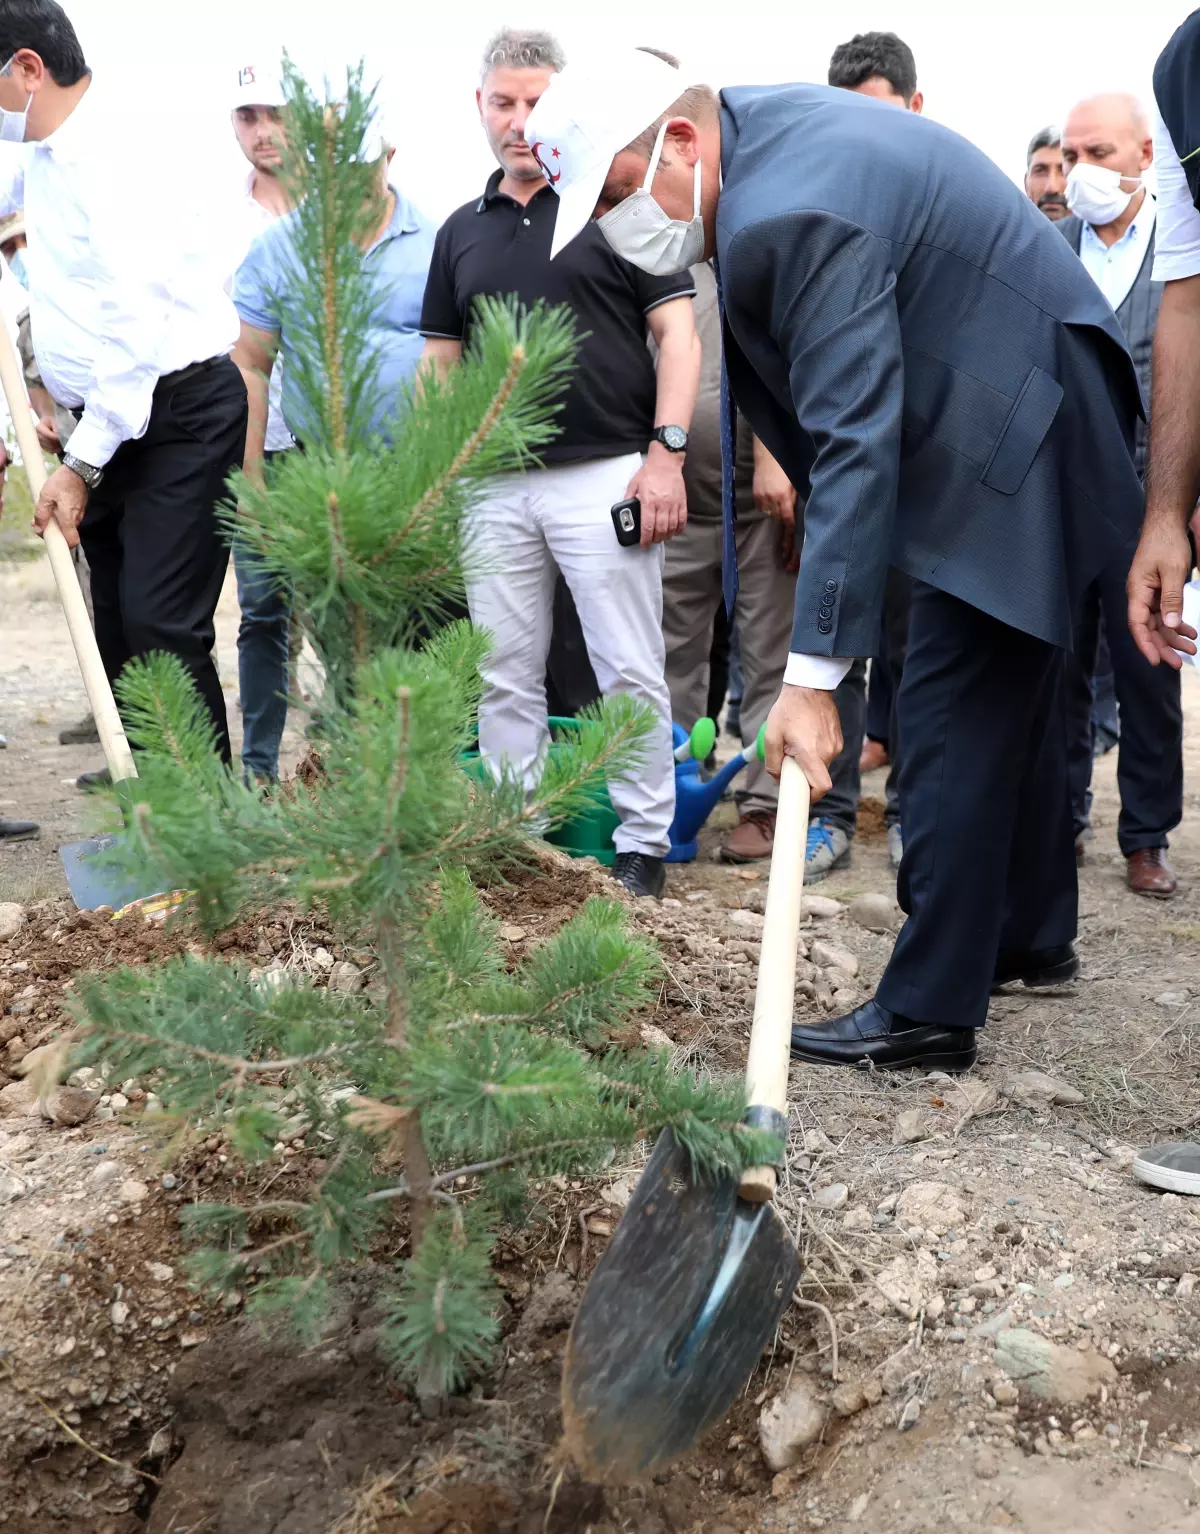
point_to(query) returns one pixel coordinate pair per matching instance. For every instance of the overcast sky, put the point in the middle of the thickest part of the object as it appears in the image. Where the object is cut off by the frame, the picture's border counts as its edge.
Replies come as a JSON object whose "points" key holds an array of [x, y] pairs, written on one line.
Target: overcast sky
{"points": [[994, 72]]}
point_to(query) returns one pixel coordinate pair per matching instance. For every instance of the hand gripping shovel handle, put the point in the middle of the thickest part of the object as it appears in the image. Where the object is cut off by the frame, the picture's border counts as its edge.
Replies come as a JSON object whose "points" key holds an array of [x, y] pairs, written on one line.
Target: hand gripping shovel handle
{"points": [[108, 722], [771, 1033]]}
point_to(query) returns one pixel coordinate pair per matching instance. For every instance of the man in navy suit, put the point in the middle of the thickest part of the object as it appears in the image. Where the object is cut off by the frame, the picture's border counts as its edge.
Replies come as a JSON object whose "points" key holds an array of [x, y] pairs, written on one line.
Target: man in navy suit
{"points": [[916, 345]]}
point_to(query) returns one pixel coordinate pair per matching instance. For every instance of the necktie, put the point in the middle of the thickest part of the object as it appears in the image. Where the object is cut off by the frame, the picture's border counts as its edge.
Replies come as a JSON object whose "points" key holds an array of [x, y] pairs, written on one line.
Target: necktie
{"points": [[729, 566]]}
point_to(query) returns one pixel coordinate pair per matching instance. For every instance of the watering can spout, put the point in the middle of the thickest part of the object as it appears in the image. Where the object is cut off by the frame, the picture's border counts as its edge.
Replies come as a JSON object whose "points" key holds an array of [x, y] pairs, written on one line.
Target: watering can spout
{"points": [[696, 799]]}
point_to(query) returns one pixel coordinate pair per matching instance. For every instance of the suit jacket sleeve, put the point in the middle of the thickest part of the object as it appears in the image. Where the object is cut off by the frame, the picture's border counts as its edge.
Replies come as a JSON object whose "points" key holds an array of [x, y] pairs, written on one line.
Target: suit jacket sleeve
{"points": [[826, 291]]}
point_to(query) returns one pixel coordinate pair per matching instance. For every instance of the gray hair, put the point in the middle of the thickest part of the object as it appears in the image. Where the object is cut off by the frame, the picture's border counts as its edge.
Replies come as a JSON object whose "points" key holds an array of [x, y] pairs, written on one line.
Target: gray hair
{"points": [[514, 49], [1048, 138]]}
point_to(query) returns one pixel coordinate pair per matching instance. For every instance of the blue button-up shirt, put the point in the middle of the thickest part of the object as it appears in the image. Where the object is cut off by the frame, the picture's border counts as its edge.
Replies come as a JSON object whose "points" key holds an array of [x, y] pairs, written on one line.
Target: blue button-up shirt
{"points": [[268, 294], [1114, 268]]}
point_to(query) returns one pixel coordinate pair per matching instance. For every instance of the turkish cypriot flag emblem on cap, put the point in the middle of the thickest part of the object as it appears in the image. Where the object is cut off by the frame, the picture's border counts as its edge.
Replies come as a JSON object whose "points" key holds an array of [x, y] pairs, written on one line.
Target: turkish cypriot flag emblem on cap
{"points": [[585, 117]]}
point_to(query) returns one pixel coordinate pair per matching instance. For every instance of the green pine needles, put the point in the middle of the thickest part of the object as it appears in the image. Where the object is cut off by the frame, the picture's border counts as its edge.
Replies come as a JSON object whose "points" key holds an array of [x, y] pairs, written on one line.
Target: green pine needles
{"points": [[455, 1080]]}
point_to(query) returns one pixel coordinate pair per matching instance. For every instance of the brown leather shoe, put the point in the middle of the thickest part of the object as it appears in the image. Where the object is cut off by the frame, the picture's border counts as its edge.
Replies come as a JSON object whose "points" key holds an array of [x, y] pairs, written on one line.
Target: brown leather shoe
{"points": [[1149, 873], [874, 754], [752, 839]]}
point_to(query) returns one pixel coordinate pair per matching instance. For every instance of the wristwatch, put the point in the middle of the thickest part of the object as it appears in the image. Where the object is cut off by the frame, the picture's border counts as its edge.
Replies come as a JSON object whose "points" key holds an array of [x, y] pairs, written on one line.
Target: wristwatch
{"points": [[673, 438], [89, 475]]}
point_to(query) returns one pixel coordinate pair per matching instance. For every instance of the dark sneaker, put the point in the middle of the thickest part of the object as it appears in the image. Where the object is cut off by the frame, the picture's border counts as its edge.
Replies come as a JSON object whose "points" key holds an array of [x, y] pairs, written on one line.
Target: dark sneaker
{"points": [[640, 874], [1173, 1167], [100, 778], [18, 830], [84, 733]]}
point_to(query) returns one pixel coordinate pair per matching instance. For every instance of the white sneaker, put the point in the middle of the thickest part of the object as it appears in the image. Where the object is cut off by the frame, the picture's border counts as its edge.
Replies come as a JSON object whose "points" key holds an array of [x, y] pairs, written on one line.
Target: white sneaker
{"points": [[828, 848], [1173, 1167], [895, 845]]}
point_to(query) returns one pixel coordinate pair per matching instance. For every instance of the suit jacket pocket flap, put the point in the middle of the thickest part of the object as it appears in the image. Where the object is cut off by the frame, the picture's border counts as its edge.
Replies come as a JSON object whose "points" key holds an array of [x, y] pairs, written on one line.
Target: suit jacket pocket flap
{"points": [[1028, 422]]}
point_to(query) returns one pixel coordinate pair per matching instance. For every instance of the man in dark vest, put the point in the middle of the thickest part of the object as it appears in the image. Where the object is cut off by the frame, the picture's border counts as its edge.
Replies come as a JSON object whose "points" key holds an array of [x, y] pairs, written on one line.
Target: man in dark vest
{"points": [[1106, 147]]}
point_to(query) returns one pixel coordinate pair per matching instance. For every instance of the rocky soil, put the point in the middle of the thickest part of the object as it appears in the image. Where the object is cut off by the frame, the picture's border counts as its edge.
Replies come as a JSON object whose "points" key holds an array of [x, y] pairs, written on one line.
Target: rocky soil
{"points": [[1016, 1319]]}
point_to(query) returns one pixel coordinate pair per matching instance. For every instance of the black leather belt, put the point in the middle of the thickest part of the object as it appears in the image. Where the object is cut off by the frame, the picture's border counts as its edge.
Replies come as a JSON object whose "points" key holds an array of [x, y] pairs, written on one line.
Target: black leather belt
{"points": [[180, 375]]}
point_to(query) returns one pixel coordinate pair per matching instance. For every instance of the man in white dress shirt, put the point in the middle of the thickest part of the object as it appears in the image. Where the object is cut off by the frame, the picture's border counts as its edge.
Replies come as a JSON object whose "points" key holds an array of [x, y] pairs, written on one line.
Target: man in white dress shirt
{"points": [[1106, 149], [134, 332], [258, 100]]}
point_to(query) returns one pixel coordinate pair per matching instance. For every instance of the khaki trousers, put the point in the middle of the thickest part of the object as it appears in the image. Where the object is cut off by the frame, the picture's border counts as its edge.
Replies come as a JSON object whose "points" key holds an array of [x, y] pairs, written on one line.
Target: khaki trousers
{"points": [[766, 597]]}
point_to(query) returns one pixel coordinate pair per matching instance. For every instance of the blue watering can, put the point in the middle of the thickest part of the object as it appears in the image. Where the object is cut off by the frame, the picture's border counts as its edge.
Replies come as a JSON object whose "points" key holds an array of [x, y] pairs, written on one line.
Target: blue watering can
{"points": [[696, 799]]}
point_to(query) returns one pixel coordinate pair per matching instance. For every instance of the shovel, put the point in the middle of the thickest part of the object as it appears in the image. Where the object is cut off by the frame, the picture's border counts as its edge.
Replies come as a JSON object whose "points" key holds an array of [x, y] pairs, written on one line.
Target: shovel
{"points": [[91, 883], [698, 1274]]}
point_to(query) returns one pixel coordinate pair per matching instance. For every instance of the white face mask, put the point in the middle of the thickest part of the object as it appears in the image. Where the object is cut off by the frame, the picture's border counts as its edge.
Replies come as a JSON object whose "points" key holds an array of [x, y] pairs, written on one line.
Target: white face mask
{"points": [[1094, 193], [12, 124], [639, 230]]}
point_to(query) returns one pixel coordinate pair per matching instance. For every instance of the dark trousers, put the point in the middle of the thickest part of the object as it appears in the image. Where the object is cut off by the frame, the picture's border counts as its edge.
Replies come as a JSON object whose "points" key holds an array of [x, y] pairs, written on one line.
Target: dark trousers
{"points": [[1150, 749], [880, 693], [989, 856], [571, 684], [156, 550], [840, 804]]}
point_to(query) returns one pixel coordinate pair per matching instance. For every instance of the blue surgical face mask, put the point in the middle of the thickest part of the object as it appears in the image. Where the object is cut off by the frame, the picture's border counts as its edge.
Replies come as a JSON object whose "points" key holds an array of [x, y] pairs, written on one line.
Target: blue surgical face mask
{"points": [[17, 267], [13, 124]]}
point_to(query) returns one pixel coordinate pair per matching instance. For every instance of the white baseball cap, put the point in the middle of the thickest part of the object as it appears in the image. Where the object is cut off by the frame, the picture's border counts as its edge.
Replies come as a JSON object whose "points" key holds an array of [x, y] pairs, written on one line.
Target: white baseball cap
{"points": [[585, 117], [258, 84]]}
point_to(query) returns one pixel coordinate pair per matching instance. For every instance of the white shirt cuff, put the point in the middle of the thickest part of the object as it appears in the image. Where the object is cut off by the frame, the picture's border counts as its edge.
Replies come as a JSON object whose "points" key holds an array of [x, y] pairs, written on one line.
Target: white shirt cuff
{"points": [[92, 443], [822, 672]]}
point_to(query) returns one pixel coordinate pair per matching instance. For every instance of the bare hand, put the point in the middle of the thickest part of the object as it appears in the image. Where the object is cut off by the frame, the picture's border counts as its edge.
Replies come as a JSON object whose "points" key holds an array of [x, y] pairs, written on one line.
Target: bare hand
{"points": [[64, 498], [658, 484], [47, 435], [774, 493], [1160, 567], [804, 723]]}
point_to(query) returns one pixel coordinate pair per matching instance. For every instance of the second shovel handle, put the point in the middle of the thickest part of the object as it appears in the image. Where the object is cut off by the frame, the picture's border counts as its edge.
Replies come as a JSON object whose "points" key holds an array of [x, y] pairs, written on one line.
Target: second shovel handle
{"points": [[774, 998], [95, 680]]}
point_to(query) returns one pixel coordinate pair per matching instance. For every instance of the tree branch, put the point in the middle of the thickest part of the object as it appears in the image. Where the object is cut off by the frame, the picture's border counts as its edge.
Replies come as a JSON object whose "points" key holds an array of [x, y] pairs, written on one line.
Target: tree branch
{"points": [[437, 492]]}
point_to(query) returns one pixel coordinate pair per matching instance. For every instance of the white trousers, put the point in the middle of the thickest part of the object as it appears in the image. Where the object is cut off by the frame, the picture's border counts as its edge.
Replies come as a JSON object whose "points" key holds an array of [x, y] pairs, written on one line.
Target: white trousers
{"points": [[525, 526]]}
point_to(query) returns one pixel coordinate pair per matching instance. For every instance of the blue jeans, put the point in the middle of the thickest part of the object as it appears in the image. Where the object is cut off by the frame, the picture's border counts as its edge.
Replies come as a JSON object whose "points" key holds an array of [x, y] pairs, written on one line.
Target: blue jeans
{"points": [[262, 664]]}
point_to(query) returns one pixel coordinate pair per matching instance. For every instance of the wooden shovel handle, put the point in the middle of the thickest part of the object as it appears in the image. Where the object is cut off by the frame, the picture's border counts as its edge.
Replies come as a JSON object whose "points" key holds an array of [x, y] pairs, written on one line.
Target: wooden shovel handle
{"points": [[108, 722], [774, 999]]}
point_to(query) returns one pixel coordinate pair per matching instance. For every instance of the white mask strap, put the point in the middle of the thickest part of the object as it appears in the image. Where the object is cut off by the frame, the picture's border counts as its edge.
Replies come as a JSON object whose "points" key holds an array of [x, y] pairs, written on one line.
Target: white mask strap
{"points": [[652, 168]]}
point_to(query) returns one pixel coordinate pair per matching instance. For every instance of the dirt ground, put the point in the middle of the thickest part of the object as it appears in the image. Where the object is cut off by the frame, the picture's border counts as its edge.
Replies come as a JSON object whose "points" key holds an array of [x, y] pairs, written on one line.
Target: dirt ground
{"points": [[952, 1233]]}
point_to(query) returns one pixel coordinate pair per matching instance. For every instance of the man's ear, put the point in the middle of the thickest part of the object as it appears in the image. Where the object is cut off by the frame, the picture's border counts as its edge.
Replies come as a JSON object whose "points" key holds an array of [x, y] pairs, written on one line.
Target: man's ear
{"points": [[30, 67], [684, 138], [917, 102]]}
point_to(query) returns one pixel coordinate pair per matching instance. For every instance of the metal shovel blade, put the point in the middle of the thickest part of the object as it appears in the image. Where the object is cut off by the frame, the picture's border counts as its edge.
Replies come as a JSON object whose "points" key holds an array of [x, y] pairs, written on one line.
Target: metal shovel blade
{"points": [[94, 882], [674, 1320]]}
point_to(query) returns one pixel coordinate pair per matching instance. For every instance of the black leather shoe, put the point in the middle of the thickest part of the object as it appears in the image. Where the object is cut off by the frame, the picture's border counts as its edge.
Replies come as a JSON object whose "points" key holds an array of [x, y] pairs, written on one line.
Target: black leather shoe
{"points": [[18, 830], [640, 874], [889, 1042], [1040, 969]]}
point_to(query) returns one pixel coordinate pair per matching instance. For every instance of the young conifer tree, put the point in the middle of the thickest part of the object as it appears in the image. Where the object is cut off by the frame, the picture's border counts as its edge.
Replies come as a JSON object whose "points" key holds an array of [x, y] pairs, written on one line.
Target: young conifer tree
{"points": [[455, 1080]]}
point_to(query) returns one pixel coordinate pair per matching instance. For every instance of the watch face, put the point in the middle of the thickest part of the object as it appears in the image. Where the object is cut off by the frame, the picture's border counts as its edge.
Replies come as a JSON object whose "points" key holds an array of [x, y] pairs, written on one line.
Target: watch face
{"points": [[675, 438]]}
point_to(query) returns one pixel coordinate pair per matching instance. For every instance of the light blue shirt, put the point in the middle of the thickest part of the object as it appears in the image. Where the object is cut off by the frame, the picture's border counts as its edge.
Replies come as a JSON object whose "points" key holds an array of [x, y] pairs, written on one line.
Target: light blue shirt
{"points": [[268, 294], [1114, 268]]}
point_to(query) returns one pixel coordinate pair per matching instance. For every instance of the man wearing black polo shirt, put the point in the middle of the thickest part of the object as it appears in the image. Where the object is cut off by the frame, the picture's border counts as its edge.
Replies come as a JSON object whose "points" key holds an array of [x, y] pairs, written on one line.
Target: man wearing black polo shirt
{"points": [[623, 432]]}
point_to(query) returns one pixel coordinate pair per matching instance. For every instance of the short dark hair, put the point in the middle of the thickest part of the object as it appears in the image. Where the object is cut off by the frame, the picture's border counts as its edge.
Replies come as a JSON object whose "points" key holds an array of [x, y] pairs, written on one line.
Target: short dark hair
{"points": [[1048, 138], [875, 53], [44, 28]]}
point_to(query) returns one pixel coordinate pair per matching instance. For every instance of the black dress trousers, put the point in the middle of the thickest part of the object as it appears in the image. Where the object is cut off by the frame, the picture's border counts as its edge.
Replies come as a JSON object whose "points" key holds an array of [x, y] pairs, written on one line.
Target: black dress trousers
{"points": [[155, 548], [989, 854], [1150, 749]]}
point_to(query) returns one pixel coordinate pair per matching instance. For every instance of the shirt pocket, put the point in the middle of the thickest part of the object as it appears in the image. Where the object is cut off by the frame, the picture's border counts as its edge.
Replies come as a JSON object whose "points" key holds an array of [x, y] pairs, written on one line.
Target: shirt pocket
{"points": [[1023, 432]]}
